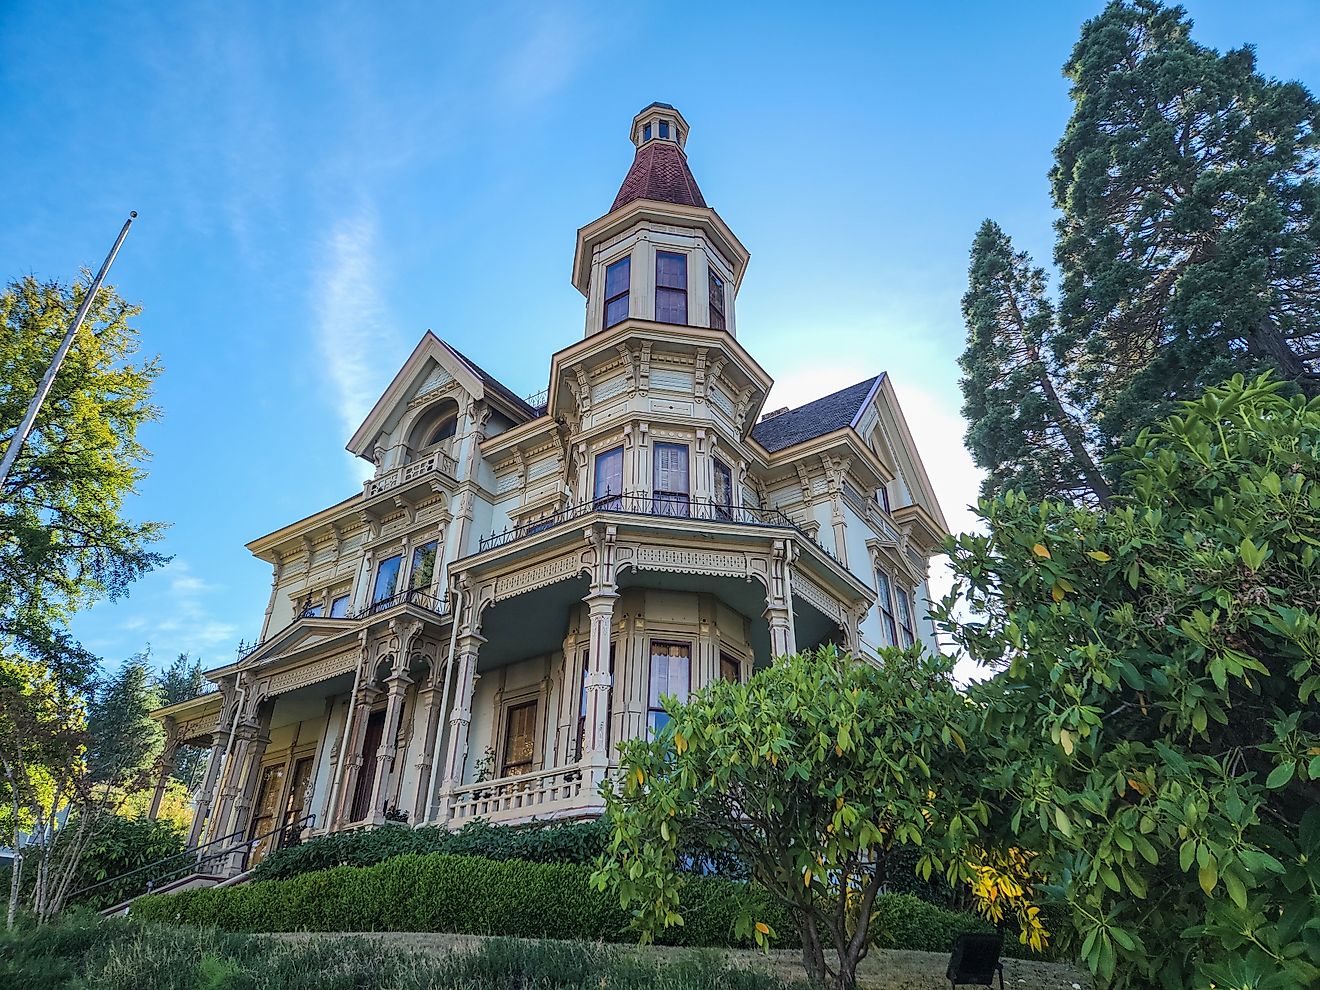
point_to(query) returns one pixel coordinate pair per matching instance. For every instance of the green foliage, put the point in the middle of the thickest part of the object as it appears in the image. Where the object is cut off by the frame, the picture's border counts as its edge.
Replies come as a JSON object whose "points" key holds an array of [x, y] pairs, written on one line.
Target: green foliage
{"points": [[82, 951], [1189, 228], [1155, 721], [537, 842], [814, 772], [442, 893], [123, 739], [117, 845], [1019, 429], [64, 541], [183, 680]]}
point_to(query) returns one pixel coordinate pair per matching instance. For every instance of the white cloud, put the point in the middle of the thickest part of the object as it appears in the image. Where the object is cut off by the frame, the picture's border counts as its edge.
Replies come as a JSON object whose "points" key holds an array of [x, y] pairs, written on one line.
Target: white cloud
{"points": [[352, 327], [543, 59]]}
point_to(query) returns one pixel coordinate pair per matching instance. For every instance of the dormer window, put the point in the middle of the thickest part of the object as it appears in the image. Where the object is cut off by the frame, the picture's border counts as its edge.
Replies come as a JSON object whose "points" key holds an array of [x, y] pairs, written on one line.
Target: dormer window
{"points": [[617, 277], [437, 424], [670, 287], [716, 302]]}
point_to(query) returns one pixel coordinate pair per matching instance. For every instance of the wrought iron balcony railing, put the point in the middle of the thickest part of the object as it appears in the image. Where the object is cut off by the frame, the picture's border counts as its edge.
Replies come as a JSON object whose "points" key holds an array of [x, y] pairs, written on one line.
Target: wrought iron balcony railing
{"points": [[674, 506], [413, 596]]}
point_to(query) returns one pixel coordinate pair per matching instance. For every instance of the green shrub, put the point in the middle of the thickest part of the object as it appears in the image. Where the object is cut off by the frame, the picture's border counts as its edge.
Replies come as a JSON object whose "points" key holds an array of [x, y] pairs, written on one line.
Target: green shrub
{"points": [[537, 842], [443, 893]]}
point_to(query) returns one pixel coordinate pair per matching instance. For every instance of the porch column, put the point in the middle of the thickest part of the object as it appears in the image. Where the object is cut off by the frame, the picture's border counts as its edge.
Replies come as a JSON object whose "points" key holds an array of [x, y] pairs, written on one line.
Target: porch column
{"points": [[251, 779], [600, 607], [207, 792], [460, 718], [428, 701], [166, 767], [779, 601], [385, 752], [358, 713], [219, 827]]}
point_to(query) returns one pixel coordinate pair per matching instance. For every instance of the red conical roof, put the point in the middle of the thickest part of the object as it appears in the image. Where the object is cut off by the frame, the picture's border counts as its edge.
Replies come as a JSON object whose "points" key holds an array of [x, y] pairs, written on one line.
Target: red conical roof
{"points": [[659, 171]]}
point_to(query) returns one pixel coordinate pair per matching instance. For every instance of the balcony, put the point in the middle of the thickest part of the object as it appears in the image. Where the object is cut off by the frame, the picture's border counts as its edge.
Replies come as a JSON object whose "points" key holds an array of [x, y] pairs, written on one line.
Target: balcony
{"points": [[662, 505], [419, 597], [406, 474]]}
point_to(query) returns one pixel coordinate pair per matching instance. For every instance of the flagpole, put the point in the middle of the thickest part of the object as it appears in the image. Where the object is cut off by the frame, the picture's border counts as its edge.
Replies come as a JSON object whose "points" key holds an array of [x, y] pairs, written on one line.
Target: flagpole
{"points": [[25, 428]]}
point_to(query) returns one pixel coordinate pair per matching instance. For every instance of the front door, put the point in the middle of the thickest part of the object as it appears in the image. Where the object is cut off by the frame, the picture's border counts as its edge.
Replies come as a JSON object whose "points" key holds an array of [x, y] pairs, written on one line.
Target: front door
{"points": [[366, 781], [264, 815], [519, 739]]}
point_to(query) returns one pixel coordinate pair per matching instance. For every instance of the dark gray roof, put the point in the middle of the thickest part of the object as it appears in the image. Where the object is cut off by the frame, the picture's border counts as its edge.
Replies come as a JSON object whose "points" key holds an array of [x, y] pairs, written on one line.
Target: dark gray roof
{"points": [[815, 419], [495, 385]]}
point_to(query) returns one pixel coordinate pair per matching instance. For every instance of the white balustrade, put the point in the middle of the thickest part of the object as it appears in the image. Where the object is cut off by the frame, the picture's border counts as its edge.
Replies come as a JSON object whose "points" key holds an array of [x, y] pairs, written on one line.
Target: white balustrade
{"points": [[542, 794], [437, 460]]}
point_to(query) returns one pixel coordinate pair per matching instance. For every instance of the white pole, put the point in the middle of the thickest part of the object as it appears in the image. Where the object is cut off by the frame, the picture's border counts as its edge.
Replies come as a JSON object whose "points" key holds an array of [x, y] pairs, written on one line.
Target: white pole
{"points": [[25, 428]]}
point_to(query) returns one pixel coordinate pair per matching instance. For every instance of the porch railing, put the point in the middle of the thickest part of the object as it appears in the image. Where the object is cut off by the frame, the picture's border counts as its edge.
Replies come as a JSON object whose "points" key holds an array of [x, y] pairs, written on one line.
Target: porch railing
{"points": [[657, 504], [437, 460], [413, 596], [541, 793]]}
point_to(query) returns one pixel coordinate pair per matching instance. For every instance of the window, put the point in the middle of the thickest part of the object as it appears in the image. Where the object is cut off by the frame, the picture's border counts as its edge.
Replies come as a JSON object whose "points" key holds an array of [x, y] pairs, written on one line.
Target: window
{"points": [[671, 674], [664, 128], [646, 132], [723, 491], [423, 566], [519, 739], [730, 669], [609, 479], [882, 496], [339, 607], [445, 429], [905, 621], [716, 301], [670, 287], [387, 578], [313, 610], [617, 277], [670, 479], [885, 602]]}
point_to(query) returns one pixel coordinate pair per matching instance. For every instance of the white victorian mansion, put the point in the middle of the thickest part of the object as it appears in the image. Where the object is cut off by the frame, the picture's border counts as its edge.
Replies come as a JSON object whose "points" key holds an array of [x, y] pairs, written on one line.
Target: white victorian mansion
{"points": [[521, 581]]}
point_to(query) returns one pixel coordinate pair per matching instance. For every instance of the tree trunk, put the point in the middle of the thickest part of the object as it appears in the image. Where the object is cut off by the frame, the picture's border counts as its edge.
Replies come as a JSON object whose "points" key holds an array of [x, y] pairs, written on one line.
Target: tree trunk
{"points": [[813, 953], [1266, 341], [1072, 434]]}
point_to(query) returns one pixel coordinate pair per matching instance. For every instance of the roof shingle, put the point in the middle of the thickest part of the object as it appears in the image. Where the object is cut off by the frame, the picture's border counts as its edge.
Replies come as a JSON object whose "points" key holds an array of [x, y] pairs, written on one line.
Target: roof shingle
{"points": [[659, 171], [814, 419]]}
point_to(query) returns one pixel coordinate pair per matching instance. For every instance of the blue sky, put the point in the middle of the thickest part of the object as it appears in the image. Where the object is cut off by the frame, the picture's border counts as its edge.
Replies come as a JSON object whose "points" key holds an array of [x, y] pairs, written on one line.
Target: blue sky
{"points": [[318, 184]]}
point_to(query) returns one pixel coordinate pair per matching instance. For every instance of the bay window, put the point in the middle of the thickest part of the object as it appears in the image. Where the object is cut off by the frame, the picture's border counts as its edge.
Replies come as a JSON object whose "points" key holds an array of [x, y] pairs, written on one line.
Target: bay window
{"points": [[716, 301], [884, 601], [608, 485], [669, 482], [723, 490], [906, 623], [423, 566], [617, 278], [671, 675], [670, 287], [387, 578]]}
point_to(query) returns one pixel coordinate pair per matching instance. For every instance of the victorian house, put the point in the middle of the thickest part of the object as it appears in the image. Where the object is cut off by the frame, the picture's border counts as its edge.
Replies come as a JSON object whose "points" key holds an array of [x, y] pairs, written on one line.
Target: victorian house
{"points": [[521, 581]]}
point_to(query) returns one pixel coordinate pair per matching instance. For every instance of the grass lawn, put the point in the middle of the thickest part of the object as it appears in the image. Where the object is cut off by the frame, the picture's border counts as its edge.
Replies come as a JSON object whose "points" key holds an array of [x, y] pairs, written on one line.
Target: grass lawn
{"points": [[84, 951]]}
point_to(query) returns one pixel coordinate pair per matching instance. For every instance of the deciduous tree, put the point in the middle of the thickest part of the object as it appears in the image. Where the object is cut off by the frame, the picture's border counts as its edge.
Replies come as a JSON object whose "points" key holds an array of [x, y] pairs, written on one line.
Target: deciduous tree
{"points": [[1154, 722], [813, 773]]}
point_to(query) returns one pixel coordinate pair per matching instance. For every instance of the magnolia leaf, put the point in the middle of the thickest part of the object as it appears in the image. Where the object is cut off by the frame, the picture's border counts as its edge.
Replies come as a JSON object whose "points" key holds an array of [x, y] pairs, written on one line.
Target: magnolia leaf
{"points": [[1040, 550], [1099, 555]]}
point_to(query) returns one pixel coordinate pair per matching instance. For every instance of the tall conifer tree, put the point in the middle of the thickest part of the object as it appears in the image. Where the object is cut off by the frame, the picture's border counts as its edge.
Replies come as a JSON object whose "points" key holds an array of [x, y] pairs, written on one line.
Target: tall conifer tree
{"points": [[1020, 429], [1189, 228]]}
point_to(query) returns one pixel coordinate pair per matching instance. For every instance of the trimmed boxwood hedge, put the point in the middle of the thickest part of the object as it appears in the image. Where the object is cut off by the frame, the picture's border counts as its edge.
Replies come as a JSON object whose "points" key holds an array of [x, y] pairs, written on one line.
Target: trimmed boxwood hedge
{"points": [[537, 842], [468, 894], [472, 895]]}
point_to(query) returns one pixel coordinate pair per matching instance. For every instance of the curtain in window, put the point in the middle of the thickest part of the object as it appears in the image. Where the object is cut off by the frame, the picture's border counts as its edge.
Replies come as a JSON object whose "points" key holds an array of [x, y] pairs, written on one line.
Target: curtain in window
{"points": [[885, 602], [671, 674], [670, 479], [609, 478], [519, 739]]}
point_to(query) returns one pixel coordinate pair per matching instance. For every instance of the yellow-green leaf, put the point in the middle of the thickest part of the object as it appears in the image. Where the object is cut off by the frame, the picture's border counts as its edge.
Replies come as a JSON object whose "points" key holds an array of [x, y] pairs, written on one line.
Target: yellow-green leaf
{"points": [[1099, 555], [1040, 550]]}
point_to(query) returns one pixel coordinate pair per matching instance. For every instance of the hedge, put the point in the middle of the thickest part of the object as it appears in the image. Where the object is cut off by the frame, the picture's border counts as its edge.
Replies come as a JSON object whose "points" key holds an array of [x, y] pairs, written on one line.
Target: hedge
{"points": [[537, 842], [467, 894]]}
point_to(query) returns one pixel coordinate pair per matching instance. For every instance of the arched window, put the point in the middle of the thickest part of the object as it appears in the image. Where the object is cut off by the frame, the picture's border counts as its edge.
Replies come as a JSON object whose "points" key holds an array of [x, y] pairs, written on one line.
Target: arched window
{"points": [[437, 424]]}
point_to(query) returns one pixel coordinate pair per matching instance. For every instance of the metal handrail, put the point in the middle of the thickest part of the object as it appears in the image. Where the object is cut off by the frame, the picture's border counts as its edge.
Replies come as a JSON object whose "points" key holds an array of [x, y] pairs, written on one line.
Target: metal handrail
{"points": [[194, 858], [652, 504]]}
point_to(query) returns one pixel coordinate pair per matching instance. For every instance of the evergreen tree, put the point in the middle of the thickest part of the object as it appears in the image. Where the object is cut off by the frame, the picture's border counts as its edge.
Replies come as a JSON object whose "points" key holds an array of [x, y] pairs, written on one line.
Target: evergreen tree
{"points": [[1189, 234], [180, 681], [124, 740], [1020, 430]]}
